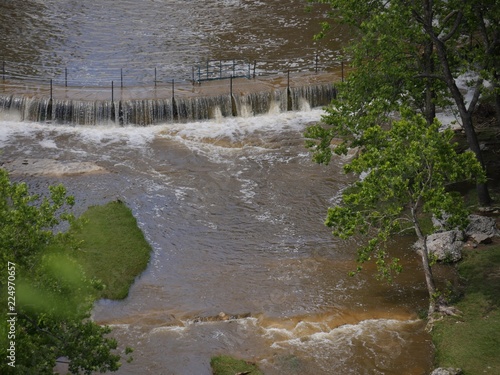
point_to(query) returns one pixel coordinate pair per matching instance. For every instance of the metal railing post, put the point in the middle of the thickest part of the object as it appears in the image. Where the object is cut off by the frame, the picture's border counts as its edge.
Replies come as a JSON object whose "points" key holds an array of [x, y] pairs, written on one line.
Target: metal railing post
{"points": [[65, 77]]}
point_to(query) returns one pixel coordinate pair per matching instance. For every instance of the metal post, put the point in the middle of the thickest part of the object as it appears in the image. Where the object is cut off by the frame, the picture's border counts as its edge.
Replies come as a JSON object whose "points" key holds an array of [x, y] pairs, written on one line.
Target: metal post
{"points": [[155, 76], [65, 77], [234, 67], [254, 66], [231, 86], [51, 89], [112, 92], [248, 70], [288, 80], [199, 74], [192, 74]]}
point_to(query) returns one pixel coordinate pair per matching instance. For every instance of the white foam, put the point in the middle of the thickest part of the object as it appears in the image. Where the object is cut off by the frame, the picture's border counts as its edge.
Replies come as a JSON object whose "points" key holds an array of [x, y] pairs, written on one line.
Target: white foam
{"points": [[48, 143]]}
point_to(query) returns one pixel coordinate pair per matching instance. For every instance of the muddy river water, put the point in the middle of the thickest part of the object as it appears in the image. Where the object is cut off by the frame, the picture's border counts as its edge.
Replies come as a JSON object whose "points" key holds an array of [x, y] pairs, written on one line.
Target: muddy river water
{"points": [[232, 207]]}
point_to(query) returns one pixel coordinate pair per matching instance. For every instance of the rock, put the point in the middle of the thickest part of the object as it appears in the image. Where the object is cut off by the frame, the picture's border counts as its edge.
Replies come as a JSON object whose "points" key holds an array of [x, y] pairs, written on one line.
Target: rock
{"points": [[441, 224], [445, 246], [481, 228], [447, 371]]}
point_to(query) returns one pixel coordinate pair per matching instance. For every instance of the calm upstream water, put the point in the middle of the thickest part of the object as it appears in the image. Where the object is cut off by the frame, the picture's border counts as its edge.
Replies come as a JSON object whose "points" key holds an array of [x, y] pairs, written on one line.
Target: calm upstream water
{"points": [[233, 207]]}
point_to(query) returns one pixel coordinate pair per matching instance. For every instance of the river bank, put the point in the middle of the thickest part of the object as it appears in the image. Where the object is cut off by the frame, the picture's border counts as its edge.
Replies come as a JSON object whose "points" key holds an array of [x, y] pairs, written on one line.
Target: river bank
{"points": [[471, 340]]}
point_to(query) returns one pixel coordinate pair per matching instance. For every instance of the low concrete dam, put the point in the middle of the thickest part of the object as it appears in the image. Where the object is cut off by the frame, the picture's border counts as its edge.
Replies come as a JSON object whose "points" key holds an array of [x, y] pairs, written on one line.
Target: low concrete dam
{"points": [[166, 103]]}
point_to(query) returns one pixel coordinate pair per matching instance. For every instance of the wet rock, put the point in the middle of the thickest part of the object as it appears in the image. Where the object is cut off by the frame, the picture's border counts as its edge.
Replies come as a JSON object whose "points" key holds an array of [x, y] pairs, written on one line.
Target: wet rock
{"points": [[447, 371]]}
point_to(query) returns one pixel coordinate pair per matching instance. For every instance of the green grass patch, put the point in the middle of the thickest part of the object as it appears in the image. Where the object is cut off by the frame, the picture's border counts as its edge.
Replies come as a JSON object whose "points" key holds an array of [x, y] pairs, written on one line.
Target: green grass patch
{"points": [[472, 340], [112, 248], [226, 365]]}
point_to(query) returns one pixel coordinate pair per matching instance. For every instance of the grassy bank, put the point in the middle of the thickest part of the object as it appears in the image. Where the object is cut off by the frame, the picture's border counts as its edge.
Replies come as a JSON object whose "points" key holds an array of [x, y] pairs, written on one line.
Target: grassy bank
{"points": [[471, 341], [113, 249]]}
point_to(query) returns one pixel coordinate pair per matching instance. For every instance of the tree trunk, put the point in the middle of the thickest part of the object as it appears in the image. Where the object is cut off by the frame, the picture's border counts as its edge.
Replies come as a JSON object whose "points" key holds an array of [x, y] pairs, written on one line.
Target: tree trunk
{"points": [[465, 116], [430, 106], [465, 113], [429, 70], [496, 88], [429, 278]]}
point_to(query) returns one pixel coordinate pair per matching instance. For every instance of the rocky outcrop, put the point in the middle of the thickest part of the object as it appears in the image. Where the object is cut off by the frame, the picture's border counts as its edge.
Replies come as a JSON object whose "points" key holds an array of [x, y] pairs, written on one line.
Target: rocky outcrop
{"points": [[446, 245], [481, 229], [447, 371]]}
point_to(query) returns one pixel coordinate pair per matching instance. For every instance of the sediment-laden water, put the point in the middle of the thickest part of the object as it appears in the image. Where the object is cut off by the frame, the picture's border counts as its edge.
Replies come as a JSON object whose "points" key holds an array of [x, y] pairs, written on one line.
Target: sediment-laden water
{"points": [[232, 206], [242, 263]]}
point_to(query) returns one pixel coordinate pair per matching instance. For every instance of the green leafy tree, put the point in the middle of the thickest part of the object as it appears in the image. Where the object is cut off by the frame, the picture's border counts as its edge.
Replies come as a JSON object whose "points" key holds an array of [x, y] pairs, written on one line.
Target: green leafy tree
{"points": [[406, 171], [49, 293], [411, 53]]}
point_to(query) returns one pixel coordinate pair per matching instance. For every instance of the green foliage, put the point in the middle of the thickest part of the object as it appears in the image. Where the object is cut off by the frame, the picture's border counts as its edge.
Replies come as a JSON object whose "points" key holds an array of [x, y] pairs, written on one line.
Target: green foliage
{"points": [[226, 365], [52, 294], [405, 171], [27, 227], [471, 340]]}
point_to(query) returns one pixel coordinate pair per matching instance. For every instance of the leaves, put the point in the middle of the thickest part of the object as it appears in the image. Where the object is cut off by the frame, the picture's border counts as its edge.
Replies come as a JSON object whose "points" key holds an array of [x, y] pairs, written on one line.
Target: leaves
{"points": [[53, 297], [406, 170]]}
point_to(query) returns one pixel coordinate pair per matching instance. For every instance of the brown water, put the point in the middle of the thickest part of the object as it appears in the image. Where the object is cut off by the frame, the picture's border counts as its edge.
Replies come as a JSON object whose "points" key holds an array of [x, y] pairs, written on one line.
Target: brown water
{"points": [[233, 207], [233, 210], [94, 39]]}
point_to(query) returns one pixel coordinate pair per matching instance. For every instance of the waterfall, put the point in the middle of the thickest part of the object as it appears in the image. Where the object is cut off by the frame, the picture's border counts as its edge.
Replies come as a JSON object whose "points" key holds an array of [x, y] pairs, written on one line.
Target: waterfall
{"points": [[144, 112]]}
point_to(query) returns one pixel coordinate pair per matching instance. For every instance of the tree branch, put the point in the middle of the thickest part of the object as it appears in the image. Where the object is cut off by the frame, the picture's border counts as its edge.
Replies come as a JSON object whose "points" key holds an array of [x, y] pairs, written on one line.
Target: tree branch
{"points": [[454, 29]]}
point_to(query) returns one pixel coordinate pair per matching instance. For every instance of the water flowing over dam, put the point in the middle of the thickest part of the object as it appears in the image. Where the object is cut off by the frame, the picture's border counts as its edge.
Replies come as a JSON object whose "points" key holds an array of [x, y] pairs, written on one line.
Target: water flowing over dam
{"points": [[101, 96], [163, 110]]}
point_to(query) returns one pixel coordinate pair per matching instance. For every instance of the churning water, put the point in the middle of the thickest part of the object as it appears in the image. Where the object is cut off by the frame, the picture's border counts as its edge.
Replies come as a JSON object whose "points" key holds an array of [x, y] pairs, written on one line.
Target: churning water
{"points": [[232, 206]]}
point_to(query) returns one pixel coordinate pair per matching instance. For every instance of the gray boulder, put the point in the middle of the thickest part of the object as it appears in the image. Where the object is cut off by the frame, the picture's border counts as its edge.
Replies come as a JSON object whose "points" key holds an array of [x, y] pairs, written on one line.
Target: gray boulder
{"points": [[445, 246], [481, 229], [447, 371]]}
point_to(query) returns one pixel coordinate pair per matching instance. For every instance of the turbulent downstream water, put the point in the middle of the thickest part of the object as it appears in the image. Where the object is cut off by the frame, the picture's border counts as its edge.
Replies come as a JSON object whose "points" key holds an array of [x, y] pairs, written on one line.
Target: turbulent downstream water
{"points": [[233, 207], [233, 210]]}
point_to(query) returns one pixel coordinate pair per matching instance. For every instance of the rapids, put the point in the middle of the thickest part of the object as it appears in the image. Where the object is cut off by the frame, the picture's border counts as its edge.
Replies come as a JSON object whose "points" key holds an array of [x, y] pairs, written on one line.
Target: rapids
{"points": [[242, 263], [232, 206]]}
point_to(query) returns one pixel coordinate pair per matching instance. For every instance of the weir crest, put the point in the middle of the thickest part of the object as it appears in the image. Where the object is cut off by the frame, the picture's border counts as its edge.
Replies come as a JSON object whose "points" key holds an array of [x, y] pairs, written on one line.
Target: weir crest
{"points": [[143, 112]]}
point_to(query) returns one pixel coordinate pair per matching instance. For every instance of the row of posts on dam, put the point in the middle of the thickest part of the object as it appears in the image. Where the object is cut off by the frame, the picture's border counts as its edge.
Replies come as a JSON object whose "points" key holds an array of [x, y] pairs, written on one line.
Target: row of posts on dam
{"points": [[217, 89]]}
